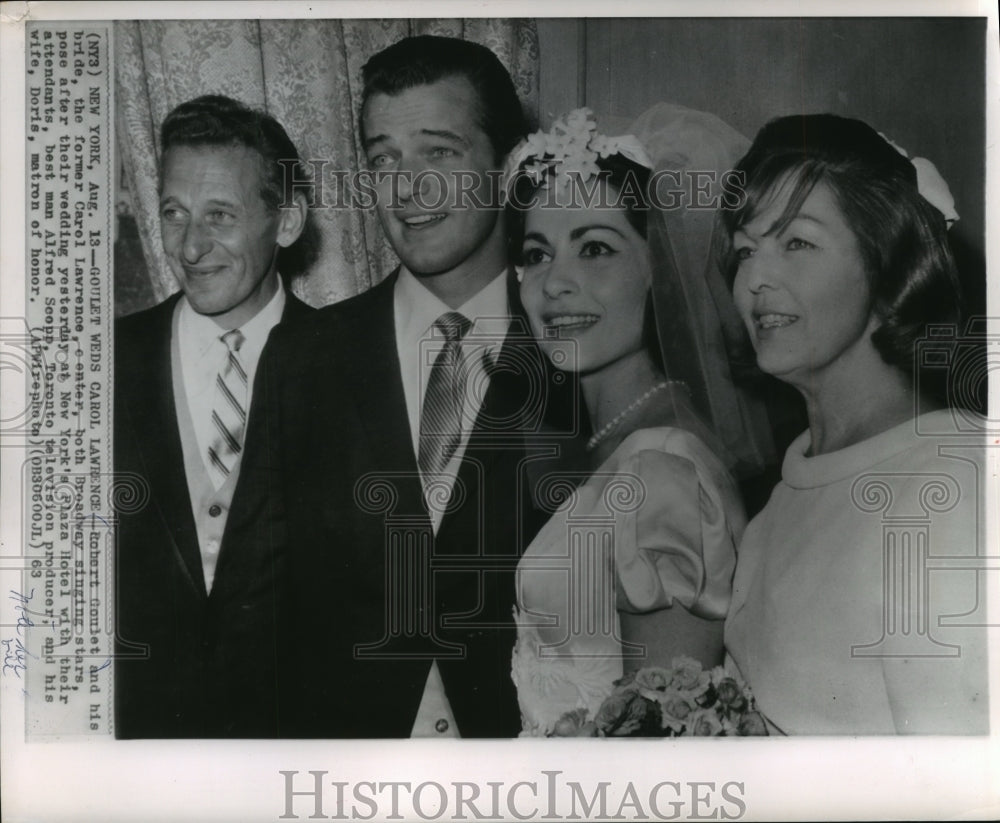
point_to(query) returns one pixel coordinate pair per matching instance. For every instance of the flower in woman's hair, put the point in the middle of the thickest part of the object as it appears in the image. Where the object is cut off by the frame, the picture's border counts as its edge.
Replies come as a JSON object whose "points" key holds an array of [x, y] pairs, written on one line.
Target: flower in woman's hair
{"points": [[752, 723], [584, 168], [580, 120], [574, 724], [688, 675], [538, 144], [705, 723], [604, 146], [934, 189], [621, 713], [537, 171], [571, 147], [730, 695], [557, 143], [931, 185]]}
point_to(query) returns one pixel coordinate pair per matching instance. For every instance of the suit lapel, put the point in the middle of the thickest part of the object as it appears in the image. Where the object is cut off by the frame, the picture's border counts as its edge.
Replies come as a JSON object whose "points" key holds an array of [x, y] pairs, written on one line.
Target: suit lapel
{"points": [[151, 407], [252, 483], [376, 380], [509, 411], [294, 311], [375, 377]]}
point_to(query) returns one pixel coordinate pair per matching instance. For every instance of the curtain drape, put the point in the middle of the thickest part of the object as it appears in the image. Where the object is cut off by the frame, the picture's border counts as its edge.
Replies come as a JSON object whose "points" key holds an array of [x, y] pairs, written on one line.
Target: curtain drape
{"points": [[307, 73]]}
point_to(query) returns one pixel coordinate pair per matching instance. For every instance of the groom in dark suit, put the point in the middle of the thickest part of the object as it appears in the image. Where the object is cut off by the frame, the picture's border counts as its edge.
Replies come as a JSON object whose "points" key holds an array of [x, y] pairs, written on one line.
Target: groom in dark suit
{"points": [[406, 428], [196, 607]]}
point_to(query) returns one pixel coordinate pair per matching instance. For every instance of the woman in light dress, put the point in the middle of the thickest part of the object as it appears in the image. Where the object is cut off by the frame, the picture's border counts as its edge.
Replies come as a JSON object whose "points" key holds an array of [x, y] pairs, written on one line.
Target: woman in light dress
{"points": [[635, 567], [855, 599]]}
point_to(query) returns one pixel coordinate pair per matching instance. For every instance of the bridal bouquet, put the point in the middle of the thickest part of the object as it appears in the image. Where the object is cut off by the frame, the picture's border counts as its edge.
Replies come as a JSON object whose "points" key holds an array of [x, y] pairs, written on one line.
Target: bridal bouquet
{"points": [[684, 700]]}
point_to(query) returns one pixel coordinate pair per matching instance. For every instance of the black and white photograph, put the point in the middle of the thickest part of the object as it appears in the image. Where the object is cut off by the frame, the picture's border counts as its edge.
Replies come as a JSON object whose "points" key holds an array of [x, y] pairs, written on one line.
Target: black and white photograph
{"points": [[401, 412]]}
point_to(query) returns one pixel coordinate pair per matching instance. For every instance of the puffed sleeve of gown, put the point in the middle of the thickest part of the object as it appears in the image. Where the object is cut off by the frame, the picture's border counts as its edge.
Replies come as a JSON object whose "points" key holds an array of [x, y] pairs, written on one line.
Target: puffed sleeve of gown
{"points": [[668, 507], [680, 543]]}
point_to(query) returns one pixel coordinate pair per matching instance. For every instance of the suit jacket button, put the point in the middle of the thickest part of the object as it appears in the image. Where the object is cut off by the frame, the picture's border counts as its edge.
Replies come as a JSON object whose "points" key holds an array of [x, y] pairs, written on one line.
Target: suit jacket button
{"points": [[441, 726], [214, 510]]}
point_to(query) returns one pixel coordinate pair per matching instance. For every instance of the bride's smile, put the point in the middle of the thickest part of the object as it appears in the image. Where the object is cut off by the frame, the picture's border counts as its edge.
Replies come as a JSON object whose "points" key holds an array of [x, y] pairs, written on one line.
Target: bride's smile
{"points": [[569, 322]]}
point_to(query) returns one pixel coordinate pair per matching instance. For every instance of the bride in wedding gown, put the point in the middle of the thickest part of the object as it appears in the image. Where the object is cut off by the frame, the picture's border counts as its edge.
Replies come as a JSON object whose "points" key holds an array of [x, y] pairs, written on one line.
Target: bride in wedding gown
{"points": [[620, 283]]}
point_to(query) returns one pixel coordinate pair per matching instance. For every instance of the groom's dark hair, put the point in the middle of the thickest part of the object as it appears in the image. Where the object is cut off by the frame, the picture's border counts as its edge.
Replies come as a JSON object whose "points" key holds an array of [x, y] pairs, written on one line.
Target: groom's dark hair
{"points": [[425, 59]]}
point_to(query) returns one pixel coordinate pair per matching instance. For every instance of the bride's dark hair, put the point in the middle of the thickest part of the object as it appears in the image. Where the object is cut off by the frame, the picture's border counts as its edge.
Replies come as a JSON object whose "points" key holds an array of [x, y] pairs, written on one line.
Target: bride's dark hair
{"points": [[628, 181]]}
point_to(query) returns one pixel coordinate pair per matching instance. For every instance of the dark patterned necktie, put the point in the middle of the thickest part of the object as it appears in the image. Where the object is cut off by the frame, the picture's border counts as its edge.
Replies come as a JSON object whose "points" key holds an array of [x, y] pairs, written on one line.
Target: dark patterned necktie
{"points": [[229, 416], [441, 415]]}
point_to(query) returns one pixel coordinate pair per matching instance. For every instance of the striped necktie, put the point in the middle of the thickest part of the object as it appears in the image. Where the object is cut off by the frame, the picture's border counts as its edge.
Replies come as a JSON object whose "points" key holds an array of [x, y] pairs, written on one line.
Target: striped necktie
{"points": [[441, 415], [229, 415]]}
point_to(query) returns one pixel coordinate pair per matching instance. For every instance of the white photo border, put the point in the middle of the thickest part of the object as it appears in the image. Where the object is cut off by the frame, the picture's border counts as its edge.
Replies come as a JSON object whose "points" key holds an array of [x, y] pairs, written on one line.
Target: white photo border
{"points": [[104, 779]]}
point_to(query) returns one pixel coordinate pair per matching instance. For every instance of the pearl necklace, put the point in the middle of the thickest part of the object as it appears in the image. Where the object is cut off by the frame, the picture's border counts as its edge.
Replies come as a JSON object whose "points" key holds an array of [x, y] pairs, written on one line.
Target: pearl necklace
{"points": [[615, 421]]}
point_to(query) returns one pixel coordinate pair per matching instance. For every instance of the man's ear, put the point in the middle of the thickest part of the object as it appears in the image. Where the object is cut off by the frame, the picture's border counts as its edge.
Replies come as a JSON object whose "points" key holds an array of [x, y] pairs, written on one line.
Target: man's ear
{"points": [[292, 220]]}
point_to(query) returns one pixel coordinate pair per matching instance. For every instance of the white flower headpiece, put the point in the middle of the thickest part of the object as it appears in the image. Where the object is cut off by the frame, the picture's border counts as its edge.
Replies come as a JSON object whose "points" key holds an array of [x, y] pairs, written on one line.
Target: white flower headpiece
{"points": [[931, 185], [569, 149]]}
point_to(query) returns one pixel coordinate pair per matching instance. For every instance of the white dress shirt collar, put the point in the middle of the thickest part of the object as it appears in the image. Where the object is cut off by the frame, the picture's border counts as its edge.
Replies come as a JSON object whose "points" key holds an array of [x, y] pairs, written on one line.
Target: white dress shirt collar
{"points": [[202, 353], [199, 331], [417, 307]]}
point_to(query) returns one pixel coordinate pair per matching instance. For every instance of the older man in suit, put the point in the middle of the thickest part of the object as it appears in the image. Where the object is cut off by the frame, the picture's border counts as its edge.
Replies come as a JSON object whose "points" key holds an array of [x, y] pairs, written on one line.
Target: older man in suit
{"points": [[405, 428], [195, 607]]}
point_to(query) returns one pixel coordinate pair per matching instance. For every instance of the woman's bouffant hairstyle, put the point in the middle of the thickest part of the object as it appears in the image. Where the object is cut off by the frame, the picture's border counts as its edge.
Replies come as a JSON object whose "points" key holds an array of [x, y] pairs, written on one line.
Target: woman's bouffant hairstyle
{"points": [[628, 187], [902, 238]]}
